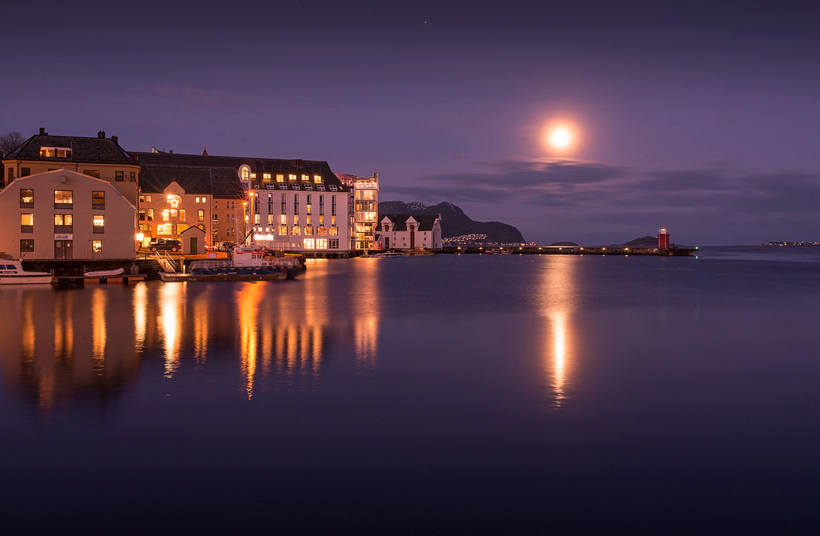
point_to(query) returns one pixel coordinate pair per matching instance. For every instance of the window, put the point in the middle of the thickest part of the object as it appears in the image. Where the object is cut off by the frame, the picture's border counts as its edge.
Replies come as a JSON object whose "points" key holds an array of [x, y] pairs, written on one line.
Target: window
{"points": [[333, 205], [320, 187], [26, 198], [308, 187], [25, 171], [308, 230], [215, 217], [96, 246], [11, 174], [317, 178], [99, 223], [333, 243], [296, 204], [295, 230], [321, 230], [119, 176], [305, 178], [27, 246], [64, 199], [63, 223], [26, 223], [55, 152], [149, 214], [296, 187], [333, 188], [310, 243], [244, 173], [133, 176], [92, 173], [292, 177], [216, 204], [280, 177], [321, 243], [334, 231], [321, 204], [145, 199], [183, 214], [283, 230], [200, 215], [266, 176], [283, 186], [98, 200]]}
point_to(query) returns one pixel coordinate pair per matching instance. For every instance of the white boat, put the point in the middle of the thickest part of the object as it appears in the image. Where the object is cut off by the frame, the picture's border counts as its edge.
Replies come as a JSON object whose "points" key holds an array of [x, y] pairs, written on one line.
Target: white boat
{"points": [[105, 273], [386, 255], [12, 273]]}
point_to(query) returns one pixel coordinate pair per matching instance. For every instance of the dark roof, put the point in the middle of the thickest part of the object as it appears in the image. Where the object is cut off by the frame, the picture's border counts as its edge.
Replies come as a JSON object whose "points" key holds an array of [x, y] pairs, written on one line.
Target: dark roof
{"points": [[257, 165], [99, 150], [426, 221], [217, 182]]}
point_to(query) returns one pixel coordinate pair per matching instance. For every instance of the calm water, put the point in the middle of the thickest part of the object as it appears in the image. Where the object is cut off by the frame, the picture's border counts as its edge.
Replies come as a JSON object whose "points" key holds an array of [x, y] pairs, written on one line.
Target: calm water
{"points": [[446, 394]]}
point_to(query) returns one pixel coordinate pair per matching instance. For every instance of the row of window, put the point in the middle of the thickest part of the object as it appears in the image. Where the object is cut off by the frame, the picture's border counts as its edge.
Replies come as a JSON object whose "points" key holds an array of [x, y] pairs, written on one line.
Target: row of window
{"points": [[63, 223], [27, 245], [246, 174], [63, 199]]}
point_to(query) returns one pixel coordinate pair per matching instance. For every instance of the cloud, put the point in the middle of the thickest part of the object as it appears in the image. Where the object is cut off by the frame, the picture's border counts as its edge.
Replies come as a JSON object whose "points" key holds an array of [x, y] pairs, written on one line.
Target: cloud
{"points": [[715, 204]]}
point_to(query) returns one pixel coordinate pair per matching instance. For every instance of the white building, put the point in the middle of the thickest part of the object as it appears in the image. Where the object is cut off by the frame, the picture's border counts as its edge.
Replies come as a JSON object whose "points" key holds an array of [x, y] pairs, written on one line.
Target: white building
{"points": [[409, 232], [63, 214]]}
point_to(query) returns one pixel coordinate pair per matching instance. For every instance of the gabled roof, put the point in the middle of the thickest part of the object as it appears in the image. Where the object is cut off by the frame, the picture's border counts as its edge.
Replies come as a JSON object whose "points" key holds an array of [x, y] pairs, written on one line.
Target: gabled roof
{"points": [[99, 150], [425, 221], [218, 182]]}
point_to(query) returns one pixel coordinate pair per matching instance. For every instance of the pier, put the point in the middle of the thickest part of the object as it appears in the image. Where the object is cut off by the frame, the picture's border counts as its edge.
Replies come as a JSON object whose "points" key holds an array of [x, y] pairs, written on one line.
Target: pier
{"points": [[570, 250]]}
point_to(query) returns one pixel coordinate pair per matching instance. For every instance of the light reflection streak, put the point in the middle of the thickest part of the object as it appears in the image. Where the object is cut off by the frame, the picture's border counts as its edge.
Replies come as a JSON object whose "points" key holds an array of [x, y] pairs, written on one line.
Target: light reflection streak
{"points": [[247, 303], [558, 298], [366, 312], [170, 303], [98, 330], [140, 306]]}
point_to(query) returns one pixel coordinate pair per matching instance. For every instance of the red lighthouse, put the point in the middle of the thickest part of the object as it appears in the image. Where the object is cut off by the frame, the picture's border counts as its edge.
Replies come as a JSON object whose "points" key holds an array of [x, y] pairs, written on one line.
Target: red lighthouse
{"points": [[663, 238]]}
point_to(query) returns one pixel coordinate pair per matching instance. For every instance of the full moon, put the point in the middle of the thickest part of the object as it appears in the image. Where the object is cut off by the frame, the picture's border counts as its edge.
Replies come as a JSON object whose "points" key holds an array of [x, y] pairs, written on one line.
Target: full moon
{"points": [[560, 137]]}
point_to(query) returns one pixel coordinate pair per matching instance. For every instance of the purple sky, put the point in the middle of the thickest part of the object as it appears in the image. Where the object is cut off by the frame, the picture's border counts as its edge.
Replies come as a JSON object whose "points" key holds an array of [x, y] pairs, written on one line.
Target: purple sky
{"points": [[701, 116]]}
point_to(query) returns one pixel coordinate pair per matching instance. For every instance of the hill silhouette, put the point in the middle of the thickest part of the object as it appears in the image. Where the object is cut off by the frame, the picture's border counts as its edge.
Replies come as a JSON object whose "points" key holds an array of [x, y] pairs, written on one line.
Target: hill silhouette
{"points": [[455, 223]]}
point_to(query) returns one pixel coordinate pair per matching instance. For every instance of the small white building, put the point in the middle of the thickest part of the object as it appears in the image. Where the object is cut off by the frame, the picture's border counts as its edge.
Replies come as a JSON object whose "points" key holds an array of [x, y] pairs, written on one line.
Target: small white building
{"points": [[409, 232], [63, 214]]}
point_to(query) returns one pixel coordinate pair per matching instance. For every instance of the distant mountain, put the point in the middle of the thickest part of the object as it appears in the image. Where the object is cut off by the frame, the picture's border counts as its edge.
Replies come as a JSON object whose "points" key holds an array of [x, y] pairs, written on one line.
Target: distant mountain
{"points": [[644, 241], [455, 223]]}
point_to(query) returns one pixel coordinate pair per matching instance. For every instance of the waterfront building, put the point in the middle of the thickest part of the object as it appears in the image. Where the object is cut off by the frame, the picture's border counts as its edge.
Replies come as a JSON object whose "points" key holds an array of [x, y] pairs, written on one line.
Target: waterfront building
{"points": [[409, 232], [97, 157], [176, 194], [364, 210], [293, 205], [63, 214]]}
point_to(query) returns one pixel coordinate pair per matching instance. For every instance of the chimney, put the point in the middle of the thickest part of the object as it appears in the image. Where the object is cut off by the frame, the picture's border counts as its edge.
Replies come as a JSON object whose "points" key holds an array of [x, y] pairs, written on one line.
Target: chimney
{"points": [[43, 132], [101, 135], [115, 139]]}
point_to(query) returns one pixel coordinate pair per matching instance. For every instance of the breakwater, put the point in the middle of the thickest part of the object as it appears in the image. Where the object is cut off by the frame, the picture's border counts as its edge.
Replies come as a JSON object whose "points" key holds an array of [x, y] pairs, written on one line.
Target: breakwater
{"points": [[570, 250]]}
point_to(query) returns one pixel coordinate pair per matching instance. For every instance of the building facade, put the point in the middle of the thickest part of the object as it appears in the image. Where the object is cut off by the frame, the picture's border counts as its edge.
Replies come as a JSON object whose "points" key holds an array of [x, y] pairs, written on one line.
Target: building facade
{"points": [[292, 205], [63, 214], [98, 157], [364, 208], [409, 232]]}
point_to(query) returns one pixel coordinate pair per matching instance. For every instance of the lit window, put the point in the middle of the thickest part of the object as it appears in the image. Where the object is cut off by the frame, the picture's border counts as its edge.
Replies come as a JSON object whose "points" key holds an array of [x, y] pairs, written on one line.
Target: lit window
{"points": [[283, 230], [63, 198], [280, 177], [99, 223], [266, 176], [244, 173], [317, 178], [295, 230], [26, 198], [96, 246], [26, 246], [292, 177], [98, 200], [310, 243], [305, 178], [321, 243], [26, 223]]}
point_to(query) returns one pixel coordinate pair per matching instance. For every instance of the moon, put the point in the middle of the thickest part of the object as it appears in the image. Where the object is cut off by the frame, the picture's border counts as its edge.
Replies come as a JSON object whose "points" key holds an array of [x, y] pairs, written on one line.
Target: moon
{"points": [[560, 137]]}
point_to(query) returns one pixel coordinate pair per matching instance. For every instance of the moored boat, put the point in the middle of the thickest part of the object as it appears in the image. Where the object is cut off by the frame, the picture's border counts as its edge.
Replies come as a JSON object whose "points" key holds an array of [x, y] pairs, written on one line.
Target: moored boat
{"points": [[105, 273], [249, 263], [12, 273]]}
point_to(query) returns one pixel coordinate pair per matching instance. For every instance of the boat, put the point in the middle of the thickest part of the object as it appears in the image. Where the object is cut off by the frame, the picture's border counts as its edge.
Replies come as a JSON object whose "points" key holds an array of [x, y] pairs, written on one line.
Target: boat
{"points": [[12, 273], [249, 263], [105, 273], [386, 255]]}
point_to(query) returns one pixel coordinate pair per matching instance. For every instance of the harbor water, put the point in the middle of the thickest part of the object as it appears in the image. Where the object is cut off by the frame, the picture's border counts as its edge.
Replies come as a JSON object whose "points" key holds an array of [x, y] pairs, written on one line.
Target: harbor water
{"points": [[479, 394]]}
